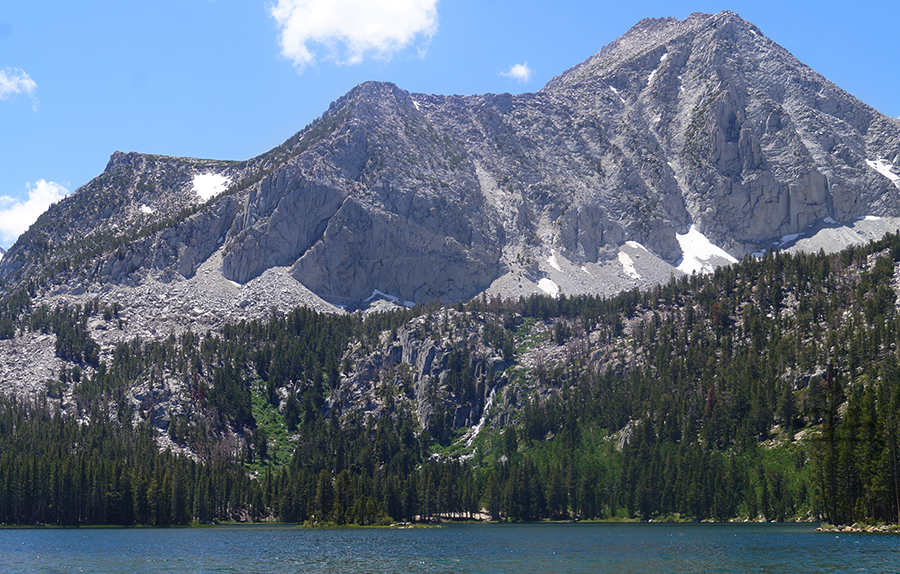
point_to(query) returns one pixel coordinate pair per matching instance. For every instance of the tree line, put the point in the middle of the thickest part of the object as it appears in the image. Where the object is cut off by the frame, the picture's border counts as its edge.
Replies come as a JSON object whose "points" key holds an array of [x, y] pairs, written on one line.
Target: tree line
{"points": [[769, 389]]}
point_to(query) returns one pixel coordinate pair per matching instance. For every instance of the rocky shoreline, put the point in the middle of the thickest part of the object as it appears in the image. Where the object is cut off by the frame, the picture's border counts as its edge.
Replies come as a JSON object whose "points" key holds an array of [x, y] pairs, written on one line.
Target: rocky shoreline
{"points": [[861, 528]]}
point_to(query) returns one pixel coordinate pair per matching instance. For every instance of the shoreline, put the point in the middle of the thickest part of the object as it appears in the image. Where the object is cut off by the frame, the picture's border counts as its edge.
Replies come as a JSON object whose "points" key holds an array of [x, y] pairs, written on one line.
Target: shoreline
{"points": [[823, 527], [860, 529]]}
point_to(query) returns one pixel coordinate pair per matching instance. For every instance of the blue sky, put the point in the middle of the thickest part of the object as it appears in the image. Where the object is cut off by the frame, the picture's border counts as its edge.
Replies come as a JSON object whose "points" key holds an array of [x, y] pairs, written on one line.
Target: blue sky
{"points": [[231, 79]]}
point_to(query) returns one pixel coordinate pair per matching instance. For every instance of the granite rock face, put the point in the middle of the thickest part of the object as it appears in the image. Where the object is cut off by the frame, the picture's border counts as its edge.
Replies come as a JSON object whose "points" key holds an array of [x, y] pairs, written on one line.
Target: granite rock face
{"points": [[699, 122], [387, 203], [419, 367], [760, 144]]}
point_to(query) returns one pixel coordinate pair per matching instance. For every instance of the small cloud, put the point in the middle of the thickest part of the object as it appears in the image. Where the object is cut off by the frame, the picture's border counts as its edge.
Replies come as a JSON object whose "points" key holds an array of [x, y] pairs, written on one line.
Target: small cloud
{"points": [[520, 72], [352, 30], [15, 81], [16, 215]]}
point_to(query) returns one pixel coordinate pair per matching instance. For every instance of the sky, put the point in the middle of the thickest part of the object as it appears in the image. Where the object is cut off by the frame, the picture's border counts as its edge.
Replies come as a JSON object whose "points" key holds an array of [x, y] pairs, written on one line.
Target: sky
{"points": [[231, 79]]}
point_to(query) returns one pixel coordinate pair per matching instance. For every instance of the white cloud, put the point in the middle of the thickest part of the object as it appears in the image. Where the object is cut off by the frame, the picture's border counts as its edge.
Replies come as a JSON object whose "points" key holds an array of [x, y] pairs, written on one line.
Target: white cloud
{"points": [[520, 72], [17, 215], [15, 81], [352, 30]]}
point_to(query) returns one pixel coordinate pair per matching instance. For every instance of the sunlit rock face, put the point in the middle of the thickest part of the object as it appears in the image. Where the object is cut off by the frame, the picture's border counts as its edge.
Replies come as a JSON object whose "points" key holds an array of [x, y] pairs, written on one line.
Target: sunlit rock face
{"points": [[700, 128]]}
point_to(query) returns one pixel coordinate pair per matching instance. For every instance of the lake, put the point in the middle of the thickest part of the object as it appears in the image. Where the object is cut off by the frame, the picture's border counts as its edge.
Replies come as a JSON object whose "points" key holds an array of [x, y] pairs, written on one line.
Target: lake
{"points": [[544, 548]]}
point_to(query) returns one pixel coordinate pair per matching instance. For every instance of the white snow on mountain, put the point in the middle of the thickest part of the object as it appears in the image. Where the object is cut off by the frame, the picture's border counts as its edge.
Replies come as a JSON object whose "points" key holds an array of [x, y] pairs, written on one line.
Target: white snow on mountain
{"points": [[628, 265], [389, 297], [635, 245], [885, 168], [698, 252], [553, 262], [549, 287], [206, 185]]}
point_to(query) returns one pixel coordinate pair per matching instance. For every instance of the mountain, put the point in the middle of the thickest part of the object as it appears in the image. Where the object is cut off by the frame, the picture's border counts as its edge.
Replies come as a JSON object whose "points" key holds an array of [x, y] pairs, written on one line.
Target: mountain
{"points": [[702, 122], [682, 145], [201, 305]]}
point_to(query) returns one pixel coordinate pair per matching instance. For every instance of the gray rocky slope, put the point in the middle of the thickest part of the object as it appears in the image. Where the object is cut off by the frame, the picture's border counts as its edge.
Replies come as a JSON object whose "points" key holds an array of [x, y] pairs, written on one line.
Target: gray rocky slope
{"points": [[589, 185]]}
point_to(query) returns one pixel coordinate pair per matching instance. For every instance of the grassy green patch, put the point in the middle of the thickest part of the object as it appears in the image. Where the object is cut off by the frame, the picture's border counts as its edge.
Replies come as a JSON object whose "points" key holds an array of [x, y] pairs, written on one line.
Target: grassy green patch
{"points": [[528, 337], [455, 448], [270, 420]]}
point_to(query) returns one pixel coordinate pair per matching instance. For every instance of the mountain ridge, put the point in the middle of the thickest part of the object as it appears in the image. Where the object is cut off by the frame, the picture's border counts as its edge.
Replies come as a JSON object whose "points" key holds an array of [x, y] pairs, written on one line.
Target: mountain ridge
{"points": [[702, 122]]}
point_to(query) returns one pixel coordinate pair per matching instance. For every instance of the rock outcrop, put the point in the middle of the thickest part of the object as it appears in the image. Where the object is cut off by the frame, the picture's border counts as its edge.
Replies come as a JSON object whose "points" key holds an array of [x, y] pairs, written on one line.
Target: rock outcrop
{"points": [[418, 364]]}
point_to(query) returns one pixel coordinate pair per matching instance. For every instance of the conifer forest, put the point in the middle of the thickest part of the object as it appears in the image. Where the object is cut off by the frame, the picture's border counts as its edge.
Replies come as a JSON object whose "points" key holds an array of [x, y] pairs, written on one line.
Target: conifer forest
{"points": [[767, 390]]}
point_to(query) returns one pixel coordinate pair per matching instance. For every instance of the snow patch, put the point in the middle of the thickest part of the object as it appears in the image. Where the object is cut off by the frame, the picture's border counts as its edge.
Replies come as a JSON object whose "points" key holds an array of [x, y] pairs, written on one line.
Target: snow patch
{"points": [[653, 73], [553, 262], [829, 220], [635, 245], [884, 167], [415, 103], [628, 265], [790, 237], [146, 209], [549, 287], [391, 298], [698, 250], [869, 218], [616, 92], [206, 185]]}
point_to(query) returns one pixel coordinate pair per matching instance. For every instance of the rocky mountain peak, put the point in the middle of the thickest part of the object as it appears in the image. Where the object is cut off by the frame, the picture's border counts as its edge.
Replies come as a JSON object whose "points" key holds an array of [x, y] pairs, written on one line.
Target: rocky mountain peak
{"points": [[119, 158], [651, 36], [701, 127]]}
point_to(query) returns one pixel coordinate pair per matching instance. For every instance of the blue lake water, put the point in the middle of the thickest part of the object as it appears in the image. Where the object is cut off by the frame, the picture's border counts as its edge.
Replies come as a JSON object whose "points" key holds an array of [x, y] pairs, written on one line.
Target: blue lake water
{"points": [[557, 548]]}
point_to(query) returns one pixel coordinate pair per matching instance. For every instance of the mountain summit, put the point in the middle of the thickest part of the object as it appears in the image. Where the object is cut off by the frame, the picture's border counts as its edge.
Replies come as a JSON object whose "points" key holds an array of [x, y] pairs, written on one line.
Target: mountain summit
{"points": [[760, 145], [681, 133]]}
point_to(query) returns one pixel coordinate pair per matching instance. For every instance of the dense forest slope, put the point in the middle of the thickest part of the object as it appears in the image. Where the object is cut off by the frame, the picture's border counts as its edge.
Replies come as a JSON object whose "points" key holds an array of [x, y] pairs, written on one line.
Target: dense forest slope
{"points": [[767, 390]]}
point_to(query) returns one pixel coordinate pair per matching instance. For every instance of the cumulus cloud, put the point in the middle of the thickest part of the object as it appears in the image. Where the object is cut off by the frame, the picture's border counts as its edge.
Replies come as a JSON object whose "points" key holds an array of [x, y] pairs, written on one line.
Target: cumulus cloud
{"points": [[352, 30], [15, 81], [17, 215], [520, 72]]}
